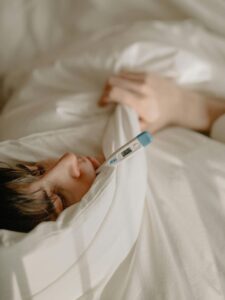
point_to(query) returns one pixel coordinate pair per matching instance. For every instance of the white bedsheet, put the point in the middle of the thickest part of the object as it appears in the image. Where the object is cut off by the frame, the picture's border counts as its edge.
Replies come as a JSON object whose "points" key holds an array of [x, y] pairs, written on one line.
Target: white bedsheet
{"points": [[179, 252]]}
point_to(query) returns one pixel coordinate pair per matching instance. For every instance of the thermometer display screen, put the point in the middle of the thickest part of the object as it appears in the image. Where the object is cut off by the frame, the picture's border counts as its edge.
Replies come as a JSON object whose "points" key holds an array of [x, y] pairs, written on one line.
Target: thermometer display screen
{"points": [[126, 152]]}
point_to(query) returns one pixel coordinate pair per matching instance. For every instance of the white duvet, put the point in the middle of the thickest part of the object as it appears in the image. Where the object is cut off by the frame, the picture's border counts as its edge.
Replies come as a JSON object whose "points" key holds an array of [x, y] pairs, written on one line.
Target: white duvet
{"points": [[62, 91], [154, 228]]}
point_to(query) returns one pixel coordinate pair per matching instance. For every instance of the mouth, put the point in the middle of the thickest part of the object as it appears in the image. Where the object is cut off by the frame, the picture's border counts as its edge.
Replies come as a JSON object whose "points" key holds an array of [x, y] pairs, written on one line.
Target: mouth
{"points": [[95, 163]]}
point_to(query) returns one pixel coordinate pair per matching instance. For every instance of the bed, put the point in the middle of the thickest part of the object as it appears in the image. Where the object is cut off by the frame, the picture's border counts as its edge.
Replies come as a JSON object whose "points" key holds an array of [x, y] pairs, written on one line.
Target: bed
{"points": [[153, 228]]}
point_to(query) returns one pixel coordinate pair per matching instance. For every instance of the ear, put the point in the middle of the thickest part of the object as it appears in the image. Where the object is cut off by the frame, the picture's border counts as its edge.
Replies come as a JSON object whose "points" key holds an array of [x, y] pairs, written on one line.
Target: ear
{"points": [[57, 202]]}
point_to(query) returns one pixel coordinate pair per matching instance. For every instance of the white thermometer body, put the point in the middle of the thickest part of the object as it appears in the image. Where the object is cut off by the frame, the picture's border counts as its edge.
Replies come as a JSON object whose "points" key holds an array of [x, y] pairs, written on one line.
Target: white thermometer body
{"points": [[139, 142]]}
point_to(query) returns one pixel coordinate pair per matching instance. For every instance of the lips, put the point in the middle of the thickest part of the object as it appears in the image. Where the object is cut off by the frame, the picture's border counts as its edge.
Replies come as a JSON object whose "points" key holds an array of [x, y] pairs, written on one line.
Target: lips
{"points": [[95, 163]]}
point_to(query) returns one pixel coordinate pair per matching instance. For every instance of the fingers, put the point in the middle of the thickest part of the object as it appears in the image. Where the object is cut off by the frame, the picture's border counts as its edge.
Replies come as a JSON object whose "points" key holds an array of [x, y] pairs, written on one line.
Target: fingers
{"points": [[154, 98], [122, 96], [136, 76], [133, 84], [127, 84]]}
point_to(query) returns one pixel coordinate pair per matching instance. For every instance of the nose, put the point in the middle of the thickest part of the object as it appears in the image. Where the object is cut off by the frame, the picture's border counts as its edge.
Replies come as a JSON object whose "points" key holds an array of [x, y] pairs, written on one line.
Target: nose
{"points": [[68, 163], [65, 168]]}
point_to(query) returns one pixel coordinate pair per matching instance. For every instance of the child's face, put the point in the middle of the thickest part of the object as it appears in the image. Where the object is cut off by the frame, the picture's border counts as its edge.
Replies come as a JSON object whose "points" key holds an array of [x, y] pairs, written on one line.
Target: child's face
{"points": [[65, 180]]}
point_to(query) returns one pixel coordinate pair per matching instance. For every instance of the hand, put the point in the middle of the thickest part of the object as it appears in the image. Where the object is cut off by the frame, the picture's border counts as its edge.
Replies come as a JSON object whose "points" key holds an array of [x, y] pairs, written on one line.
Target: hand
{"points": [[155, 99]]}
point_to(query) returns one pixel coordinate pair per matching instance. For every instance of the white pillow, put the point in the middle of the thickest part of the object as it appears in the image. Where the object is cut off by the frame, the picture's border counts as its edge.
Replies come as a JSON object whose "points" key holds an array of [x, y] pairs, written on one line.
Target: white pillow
{"points": [[79, 252], [33, 28]]}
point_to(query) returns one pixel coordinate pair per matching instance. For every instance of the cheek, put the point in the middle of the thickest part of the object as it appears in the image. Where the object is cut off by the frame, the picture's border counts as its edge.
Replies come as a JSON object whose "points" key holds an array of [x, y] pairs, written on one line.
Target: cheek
{"points": [[87, 172], [79, 188], [81, 185], [86, 179]]}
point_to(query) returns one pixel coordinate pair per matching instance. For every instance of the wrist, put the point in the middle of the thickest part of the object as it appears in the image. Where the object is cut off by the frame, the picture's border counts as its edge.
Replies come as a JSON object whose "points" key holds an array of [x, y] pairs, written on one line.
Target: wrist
{"points": [[216, 108], [194, 111]]}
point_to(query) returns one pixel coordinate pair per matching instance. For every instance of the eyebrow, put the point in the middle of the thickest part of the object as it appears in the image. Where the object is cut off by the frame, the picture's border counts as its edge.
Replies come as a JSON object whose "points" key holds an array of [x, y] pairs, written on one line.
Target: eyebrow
{"points": [[25, 167]]}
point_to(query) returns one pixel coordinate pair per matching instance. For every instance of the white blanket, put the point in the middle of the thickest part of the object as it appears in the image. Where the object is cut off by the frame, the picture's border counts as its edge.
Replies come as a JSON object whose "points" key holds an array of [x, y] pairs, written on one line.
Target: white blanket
{"points": [[124, 241], [87, 243]]}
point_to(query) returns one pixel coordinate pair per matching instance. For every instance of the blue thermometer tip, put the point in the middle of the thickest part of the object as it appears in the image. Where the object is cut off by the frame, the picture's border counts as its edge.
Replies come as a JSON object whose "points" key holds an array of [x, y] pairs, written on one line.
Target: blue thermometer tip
{"points": [[144, 138]]}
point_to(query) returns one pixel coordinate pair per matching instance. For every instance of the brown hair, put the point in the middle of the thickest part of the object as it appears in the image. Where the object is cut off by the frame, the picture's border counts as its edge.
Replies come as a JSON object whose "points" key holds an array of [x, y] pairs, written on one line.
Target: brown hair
{"points": [[20, 210]]}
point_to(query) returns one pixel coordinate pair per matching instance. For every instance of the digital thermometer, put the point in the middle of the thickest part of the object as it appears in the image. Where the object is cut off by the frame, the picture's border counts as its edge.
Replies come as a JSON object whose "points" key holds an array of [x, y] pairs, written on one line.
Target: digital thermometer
{"points": [[137, 143]]}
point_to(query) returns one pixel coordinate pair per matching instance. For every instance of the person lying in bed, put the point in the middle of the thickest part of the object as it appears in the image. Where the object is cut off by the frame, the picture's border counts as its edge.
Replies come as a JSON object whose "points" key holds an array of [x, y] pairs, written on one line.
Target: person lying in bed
{"points": [[35, 192]]}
